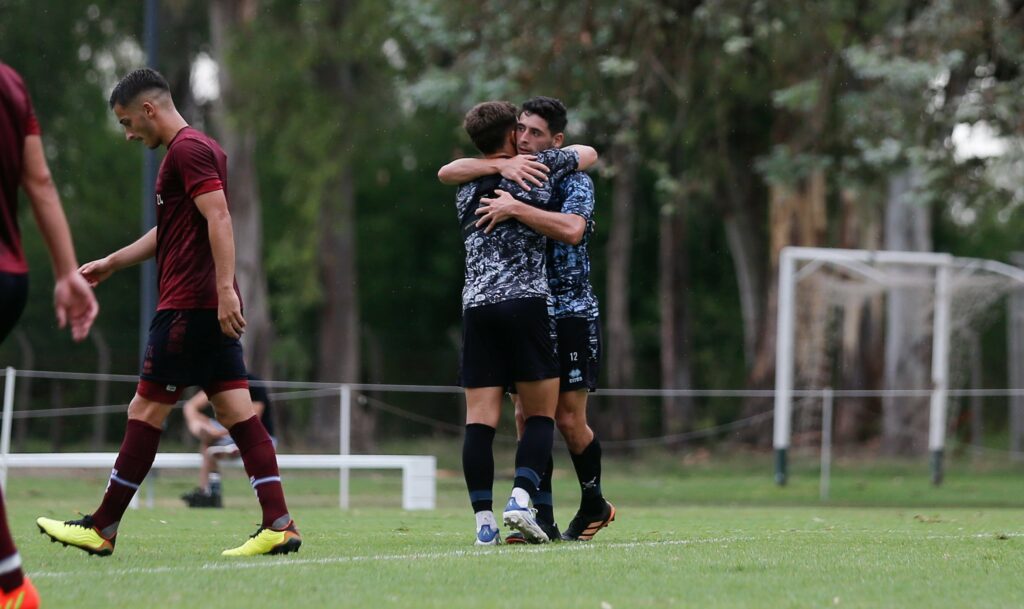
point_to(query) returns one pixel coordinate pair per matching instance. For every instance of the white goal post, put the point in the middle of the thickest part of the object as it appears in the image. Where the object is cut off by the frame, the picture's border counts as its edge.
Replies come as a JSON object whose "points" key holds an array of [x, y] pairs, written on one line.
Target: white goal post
{"points": [[864, 264]]}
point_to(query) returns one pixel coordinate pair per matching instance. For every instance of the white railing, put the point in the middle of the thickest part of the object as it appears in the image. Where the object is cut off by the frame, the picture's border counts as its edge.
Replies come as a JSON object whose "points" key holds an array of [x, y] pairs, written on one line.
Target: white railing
{"points": [[345, 393]]}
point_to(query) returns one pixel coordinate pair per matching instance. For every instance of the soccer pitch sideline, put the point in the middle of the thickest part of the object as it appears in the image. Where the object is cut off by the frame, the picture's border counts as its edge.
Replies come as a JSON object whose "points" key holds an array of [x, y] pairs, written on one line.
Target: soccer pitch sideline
{"points": [[658, 553]]}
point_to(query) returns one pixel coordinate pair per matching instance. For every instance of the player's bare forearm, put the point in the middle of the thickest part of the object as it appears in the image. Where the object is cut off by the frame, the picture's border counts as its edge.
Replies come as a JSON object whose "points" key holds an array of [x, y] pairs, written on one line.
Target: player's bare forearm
{"points": [[141, 249], [46, 207], [588, 155], [214, 207], [523, 169], [222, 244], [567, 228], [461, 171]]}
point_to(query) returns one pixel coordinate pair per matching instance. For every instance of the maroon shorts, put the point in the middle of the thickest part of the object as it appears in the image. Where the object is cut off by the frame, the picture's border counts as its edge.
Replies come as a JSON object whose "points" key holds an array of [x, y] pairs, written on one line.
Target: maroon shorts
{"points": [[187, 348]]}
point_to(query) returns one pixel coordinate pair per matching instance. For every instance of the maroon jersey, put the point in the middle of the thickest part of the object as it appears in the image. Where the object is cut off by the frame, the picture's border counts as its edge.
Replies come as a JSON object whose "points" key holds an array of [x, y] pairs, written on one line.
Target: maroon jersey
{"points": [[17, 120], [194, 165]]}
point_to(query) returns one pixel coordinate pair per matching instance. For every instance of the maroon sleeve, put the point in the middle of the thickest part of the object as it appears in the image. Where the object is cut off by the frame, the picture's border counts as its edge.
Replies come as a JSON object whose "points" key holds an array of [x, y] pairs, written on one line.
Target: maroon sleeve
{"points": [[31, 124], [198, 167], [28, 119]]}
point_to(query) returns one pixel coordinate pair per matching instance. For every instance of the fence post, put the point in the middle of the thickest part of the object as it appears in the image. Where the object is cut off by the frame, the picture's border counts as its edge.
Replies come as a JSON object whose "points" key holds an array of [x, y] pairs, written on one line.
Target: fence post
{"points": [[5, 430], [784, 365], [826, 442], [345, 439], [1015, 362], [940, 372]]}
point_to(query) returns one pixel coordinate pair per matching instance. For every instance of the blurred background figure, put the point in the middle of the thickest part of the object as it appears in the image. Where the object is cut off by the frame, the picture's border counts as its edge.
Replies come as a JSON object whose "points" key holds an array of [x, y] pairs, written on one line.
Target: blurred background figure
{"points": [[215, 443]]}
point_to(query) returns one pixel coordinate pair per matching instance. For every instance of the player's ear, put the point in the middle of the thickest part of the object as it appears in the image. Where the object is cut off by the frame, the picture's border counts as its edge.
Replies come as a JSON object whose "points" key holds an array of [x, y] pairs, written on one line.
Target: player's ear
{"points": [[558, 140]]}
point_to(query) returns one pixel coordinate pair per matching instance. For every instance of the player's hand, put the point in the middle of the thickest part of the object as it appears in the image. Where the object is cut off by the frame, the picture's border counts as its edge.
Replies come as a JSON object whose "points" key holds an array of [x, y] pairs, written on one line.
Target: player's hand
{"points": [[97, 271], [524, 170], [229, 313], [494, 211], [75, 303]]}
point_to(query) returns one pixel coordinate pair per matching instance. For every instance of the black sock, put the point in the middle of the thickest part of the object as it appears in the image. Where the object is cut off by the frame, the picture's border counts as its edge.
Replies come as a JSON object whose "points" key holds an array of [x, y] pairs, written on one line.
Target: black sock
{"points": [[533, 453], [544, 501], [478, 465], [588, 472]]}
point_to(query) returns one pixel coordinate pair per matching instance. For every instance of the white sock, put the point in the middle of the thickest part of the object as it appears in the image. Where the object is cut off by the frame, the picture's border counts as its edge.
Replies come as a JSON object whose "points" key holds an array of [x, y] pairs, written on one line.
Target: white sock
{"points": [[486, 517], [521, 496]]}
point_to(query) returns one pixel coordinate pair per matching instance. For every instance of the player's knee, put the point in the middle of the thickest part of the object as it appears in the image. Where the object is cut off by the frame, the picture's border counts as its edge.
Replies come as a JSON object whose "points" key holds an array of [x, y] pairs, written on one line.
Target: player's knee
{"points": [[569, 422], [148, 412]]}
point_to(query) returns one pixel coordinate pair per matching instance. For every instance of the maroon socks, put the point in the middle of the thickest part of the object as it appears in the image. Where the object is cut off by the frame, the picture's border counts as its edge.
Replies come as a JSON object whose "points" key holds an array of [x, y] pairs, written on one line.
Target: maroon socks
{"points": [[260, 460], [138, 450]]}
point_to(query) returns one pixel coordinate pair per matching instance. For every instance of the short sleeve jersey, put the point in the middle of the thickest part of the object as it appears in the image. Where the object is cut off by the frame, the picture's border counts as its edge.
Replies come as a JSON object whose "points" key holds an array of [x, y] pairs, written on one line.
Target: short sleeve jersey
{"points": [[194, 165], [569, 265], [509, 262], [17, 121]]}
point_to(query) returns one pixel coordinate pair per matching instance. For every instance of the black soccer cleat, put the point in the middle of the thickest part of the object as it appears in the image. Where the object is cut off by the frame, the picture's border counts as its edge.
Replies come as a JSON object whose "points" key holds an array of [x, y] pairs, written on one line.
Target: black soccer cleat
{"points": [[200, 498], [584, 526]]}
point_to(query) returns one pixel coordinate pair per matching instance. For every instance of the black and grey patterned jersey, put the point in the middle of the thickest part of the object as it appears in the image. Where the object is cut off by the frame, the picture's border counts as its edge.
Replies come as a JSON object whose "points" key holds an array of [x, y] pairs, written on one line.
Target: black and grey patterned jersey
{"points": [[569, 265], [508, 262]]}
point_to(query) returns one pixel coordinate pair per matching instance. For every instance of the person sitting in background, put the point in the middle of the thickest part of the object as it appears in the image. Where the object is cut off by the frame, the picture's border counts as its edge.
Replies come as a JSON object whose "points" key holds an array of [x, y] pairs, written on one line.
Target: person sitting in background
{"points": [[215, 443]]}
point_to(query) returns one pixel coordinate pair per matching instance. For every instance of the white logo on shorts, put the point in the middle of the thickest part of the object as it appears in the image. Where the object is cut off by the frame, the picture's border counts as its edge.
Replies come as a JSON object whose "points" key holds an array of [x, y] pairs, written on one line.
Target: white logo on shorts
{"points": [[172, 388], [575, 376]]}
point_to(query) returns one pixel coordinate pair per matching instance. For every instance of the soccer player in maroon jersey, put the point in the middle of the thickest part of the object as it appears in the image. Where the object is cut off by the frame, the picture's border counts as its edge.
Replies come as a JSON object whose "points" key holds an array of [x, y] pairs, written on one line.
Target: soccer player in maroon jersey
{"points": [[23, 162], [193, 338]]}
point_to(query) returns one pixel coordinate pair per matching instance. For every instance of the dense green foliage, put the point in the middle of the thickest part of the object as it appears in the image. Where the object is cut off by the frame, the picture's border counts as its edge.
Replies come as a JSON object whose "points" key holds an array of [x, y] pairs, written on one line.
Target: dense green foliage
{"points": [[720, 100]]}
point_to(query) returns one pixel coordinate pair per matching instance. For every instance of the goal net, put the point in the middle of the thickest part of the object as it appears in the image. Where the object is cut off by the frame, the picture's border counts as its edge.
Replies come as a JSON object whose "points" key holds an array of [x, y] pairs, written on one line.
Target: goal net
{"points": [[901, 328]]}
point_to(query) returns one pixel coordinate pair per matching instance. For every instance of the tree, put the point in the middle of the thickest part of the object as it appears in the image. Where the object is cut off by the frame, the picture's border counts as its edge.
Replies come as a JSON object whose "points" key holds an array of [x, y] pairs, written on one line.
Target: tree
{"points": [[230, 19]]}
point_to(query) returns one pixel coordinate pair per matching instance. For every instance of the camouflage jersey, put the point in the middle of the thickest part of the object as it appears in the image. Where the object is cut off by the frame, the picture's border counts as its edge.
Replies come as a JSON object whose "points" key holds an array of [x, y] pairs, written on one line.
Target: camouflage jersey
{"points": [[569, 265], [509, 262]]}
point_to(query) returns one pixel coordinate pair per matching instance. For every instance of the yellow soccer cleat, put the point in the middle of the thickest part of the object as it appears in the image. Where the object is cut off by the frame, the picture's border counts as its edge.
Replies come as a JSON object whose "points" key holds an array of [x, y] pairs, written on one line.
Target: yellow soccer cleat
{"points": [[22, 597], [81, 534], [269, 541]]}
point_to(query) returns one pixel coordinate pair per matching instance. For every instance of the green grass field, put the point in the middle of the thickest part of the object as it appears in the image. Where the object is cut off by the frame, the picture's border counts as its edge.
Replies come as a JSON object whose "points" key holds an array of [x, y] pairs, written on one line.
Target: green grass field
{"points": [[686, 536]]}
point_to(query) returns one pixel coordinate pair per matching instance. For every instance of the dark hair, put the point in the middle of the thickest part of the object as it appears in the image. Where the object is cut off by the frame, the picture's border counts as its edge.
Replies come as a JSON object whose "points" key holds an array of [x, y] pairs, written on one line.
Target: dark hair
{"points": [[549, 109], [488, 124], [136, 82]]}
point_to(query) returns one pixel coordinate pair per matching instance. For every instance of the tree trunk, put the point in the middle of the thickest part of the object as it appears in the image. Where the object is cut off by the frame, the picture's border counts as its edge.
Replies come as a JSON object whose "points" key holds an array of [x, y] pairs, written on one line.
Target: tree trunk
{"points": [[620, 360], [229, 18], [863, 329], [339, 348], [56, 424], [673, 270], [101, 396], [797, 216], [907, 345]]}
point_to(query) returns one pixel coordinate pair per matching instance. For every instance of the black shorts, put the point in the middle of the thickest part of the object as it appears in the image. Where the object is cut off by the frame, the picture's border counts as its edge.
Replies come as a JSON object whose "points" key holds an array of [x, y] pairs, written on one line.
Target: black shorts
{"points": [[579, 354], [13, 295], [508, 342], [187, 348]]}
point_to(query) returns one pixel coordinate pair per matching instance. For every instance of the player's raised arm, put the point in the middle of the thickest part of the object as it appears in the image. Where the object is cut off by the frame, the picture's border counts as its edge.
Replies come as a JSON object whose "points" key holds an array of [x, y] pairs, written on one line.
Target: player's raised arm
{"points": [[587, 154], [523, 169], [73, 299], [214, 207], [141, 249]]}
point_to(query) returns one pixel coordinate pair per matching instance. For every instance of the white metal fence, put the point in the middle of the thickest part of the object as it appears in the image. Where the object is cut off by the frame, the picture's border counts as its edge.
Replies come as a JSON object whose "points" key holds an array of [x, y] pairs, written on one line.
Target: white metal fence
{"points": [[347, 393]]}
